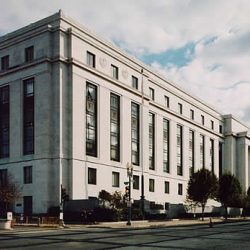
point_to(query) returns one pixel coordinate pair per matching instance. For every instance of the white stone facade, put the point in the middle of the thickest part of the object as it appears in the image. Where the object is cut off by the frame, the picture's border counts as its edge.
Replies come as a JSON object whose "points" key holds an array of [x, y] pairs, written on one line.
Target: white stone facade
{"points": [[60, 73]]}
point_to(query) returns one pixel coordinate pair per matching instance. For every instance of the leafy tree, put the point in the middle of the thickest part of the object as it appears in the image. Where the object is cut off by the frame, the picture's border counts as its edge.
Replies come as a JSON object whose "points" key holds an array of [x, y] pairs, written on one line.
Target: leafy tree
{"points": [[201, 187], [105, 197], [230, 192], [9, 192], [245, 201], [117, 200]]}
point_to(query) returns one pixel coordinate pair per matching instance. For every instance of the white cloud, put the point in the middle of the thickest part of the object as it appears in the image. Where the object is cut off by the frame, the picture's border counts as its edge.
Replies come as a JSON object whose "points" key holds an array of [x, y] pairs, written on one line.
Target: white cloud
{"points": [[220, 30]]}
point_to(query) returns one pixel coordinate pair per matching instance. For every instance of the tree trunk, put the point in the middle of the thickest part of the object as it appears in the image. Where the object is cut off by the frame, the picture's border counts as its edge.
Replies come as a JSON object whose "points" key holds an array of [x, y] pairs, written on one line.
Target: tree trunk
{"points": [[202, 212], [225, 211]]}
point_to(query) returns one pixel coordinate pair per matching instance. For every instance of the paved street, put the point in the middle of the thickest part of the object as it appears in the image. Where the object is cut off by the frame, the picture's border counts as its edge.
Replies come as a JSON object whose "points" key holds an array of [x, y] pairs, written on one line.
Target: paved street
{"points": [[221, 236]]}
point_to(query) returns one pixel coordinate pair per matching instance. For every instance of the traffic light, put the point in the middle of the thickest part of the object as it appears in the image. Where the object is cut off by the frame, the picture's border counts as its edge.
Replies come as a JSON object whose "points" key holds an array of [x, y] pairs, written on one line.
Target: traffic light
{"points": [[64, 195], [126, 195]]}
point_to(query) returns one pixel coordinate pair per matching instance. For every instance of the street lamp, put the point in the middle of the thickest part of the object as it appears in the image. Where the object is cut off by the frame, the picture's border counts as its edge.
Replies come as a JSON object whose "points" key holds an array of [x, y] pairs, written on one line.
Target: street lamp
{"points": [[130, 174]]}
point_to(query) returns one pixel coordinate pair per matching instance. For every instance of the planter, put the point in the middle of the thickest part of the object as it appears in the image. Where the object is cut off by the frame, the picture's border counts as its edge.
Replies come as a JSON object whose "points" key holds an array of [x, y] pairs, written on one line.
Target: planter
{"points": [[5, 224]]}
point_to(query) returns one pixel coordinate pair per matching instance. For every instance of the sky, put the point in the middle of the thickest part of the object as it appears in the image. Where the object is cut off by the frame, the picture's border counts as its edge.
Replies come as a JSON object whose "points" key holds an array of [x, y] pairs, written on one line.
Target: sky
{"points": [[201, 45]]}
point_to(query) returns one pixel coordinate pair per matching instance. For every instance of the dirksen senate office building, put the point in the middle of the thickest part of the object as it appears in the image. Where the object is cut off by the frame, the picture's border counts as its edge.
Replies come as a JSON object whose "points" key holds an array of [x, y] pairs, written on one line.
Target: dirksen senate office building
{"points": [[75, 110]]}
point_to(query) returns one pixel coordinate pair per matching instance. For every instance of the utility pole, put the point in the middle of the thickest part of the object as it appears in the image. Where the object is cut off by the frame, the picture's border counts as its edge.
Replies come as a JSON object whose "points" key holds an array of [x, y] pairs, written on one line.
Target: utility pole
{"points": [[130, 174]]}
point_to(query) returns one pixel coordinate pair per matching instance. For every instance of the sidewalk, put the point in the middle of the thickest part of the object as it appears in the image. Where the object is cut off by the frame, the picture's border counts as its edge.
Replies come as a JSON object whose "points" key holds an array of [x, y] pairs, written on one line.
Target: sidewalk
{"points": [[168, 223], [134, 224]]}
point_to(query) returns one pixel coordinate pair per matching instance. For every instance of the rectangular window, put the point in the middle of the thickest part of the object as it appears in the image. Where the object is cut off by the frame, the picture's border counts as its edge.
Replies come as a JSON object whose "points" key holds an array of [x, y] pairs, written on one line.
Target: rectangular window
{"points": [[179, 151], [92, 176], [28, 116], [135, 133], [115, 179], [180, 189], [166, 101], [202, 119], [5, 63], [191, 114], [27, 205], [211, 151], [134, 82], [151, 185], [90, 59], [191, 152], [3, 177], [180, 108], [220, 129], [4, 122], [114, 71], [27, 175], [151, 141], [114, 127], [166, 146], [202, 151], [152, 93], [91, 120], [166, 187], [136, 182], [29, 54], [212, 124]]}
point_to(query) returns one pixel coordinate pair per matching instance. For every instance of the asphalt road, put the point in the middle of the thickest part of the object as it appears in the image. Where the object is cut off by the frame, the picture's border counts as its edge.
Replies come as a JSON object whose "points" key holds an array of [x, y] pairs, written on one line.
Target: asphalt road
{"points": [[221, 236]]}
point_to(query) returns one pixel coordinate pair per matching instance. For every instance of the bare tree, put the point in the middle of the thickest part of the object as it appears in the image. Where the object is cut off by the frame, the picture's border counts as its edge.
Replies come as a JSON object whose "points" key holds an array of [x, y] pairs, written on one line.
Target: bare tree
{"points": [[9, 192]]}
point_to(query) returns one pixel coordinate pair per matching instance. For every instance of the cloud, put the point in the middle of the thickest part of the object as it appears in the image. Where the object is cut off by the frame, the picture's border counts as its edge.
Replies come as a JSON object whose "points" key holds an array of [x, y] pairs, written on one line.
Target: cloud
{"points": [[157, 31], [218, 73]]}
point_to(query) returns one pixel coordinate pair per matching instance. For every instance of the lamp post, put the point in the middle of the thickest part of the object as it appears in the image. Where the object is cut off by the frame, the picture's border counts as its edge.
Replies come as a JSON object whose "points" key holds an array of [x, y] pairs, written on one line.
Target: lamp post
{"points": [[130, 174]]}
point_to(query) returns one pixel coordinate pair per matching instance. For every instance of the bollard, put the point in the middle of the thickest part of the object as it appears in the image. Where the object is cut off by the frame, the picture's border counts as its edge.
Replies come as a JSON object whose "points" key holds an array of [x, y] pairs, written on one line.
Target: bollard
{"points": [[210, 222], [39, 221]]}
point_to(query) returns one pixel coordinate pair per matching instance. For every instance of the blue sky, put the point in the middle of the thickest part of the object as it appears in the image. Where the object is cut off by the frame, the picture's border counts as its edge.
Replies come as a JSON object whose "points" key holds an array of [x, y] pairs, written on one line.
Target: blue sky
{"points": [[176, 56], [203, 46]]}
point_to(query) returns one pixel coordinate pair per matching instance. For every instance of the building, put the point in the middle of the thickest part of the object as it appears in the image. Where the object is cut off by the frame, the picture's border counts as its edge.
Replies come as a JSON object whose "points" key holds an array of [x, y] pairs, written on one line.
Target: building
{"points": [[75, 109]]}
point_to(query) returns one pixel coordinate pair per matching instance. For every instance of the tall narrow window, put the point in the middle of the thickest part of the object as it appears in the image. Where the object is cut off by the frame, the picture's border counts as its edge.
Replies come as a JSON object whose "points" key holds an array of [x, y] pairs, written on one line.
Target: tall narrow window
{"points": [[114, 71], [166, 187], [166, 146], [166, 101], [191, 152], [5, 63], [152, 93], [3, 177], [202, 151], [151, 185], [211, 151], [91, 120], [115, 179], [92, 176], [220, 158], [180, 108], [134, 82], [179, 151], [91, 59], [27, 175], [136, 182], [212, 124], [180, 189], [29, 54], [220, 129], [114, 127], [28, 116], [191, 114], [135, 133], [4, 122], [202, 119], [151, 141]]}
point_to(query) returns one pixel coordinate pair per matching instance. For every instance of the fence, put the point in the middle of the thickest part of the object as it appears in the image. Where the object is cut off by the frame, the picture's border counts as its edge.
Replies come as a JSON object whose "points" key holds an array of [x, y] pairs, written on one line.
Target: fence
{"points": [[35, 220]]}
